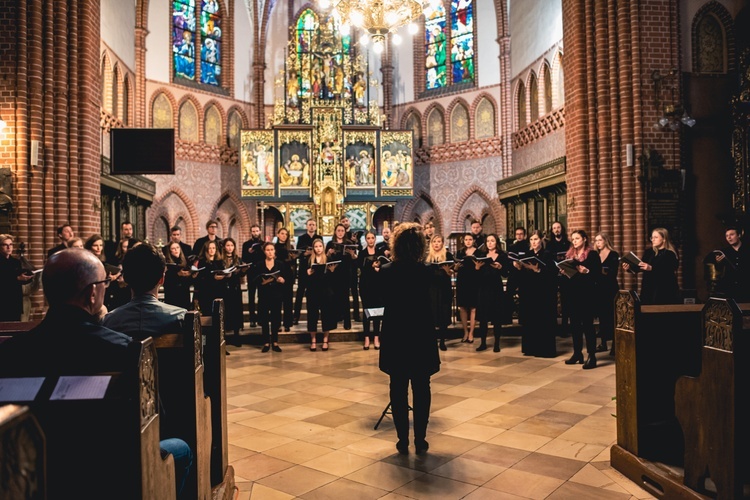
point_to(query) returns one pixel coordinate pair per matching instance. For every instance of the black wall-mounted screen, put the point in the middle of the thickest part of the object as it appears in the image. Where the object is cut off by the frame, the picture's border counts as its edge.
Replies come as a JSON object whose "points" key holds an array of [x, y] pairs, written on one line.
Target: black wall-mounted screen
{"points": [[142, 151]]}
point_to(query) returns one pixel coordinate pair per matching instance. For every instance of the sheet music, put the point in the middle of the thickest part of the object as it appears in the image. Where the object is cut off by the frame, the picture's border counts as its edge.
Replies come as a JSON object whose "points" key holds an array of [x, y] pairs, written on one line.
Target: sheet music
{"points": [[93, 387], [19, 389], [374, 312]]}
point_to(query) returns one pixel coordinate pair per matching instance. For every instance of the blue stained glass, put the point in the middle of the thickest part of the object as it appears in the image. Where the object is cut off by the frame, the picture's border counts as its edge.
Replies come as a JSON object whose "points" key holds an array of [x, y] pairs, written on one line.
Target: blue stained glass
{"points": [[210, 25], [183, 14], [434, 47], [183, 48], [462, 40]]}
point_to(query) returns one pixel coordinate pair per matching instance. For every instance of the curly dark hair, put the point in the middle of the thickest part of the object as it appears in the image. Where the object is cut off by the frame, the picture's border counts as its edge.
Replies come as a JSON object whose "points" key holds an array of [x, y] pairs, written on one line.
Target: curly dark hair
{"points": [[408, 242]]}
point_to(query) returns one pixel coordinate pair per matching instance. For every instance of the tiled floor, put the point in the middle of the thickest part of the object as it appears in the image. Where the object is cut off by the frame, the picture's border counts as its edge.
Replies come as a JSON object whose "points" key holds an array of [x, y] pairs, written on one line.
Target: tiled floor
{"points": [[502, 426]]}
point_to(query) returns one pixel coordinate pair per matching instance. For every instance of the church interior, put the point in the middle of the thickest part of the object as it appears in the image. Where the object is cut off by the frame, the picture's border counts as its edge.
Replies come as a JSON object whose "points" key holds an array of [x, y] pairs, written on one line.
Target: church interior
{"points": [[616, 116]]}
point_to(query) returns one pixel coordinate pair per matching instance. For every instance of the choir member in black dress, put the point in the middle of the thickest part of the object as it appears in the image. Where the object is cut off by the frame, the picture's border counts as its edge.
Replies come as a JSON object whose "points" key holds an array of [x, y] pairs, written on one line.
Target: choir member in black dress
{"points": [[178, 278], [232, 290], [271, 275], [370, 290], [321, 277], [252, 254], [583, 298], [408, 351], [659, 270], [492, 305], [336, 250], [353, 292], [209, 284], [537, 298], [467, 287], [95, 245], [558, 245], [607, 290], [383, 247], [118, 292], [175, 236], [733, 264], [283, 245], [440, 261], [12, 279], [519, 247], [304, 243]]}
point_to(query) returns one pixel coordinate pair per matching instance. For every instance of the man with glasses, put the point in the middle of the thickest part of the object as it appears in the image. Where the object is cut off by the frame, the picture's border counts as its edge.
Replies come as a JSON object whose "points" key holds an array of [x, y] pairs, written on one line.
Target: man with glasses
{"points": [[12, 279], [211, 228]]}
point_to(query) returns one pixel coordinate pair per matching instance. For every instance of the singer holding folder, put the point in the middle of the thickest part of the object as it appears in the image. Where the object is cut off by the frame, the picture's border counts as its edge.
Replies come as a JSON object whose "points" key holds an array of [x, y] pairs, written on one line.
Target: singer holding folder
{"points": [[270, 277], [370, 289], [321, 279], [659, 268]]}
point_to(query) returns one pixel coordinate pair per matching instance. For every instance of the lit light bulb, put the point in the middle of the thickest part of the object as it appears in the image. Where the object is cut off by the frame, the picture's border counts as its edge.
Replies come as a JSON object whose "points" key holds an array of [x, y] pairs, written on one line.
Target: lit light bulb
{"points": [[378, 46], [364, 40], [357, 18], [324, 4], [346, 29], [412, 28], [391, 17], [396, 38]]}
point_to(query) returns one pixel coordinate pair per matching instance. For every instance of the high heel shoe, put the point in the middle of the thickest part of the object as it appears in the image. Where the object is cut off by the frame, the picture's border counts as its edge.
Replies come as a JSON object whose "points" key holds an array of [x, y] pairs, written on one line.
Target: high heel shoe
{"points": [[590, 362], [575, 358], [325, 346], [313, 347], [482, 345]]}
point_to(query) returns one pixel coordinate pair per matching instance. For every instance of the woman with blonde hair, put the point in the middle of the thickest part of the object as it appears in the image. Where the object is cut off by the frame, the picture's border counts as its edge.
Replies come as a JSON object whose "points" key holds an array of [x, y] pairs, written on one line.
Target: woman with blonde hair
{"points": [[659, 267], [441, 288], [607, 290], [321, 280]]}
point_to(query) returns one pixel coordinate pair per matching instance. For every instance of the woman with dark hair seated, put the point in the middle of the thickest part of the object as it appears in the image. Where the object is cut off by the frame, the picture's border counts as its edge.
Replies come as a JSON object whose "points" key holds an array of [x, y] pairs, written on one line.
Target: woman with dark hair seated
{"points": [[408, 352]]}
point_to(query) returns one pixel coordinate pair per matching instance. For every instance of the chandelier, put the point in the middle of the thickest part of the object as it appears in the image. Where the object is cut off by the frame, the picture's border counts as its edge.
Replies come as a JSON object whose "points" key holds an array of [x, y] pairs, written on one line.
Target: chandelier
{"points": [[666, 90], [377, 17]]}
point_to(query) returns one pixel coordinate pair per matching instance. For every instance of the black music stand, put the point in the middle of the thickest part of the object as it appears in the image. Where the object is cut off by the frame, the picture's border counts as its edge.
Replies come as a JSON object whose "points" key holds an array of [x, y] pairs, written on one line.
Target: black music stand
{"points": [[388, 411]]}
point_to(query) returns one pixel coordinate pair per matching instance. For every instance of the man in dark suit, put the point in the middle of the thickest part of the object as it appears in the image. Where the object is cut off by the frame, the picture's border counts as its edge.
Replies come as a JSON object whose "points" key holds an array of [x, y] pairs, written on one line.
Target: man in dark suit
{"points": [[252, 253], [476, 231], [520, 248], [304, 242], [353, 271], [175, 236], [382, 246], [211, 227], [558, 244], [65, 233]]}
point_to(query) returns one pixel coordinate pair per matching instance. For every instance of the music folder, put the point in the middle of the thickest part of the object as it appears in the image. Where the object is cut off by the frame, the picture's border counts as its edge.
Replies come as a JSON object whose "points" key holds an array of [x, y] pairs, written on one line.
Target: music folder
{"points": [[534, 260], [633, 261], [569, 267]]}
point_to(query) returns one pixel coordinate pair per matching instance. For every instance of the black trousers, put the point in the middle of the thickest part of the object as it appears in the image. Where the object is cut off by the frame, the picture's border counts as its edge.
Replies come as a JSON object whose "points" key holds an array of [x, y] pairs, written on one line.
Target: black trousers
{"points": [[354, 289], [286, 303], [421, 401], [252, 287], [301, 289], [582, 323], [375, 331], [269, 316]]}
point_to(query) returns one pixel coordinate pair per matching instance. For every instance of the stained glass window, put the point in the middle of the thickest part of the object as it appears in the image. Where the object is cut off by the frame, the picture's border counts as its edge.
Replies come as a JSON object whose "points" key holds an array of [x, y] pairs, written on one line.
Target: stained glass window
{"points": [[186, 32], [462, 40], [434, 30]]}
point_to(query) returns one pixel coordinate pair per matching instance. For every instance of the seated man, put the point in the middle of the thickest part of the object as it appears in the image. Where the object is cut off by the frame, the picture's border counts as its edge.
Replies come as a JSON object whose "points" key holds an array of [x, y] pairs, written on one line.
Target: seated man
{"points": [[144, 316], [70, 338]]}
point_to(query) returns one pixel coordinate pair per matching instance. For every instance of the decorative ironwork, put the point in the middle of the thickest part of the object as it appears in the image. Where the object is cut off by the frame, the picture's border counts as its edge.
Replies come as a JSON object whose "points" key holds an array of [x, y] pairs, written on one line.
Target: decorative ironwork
{"points": [[625, 311], [148, 384], [718, 325]]}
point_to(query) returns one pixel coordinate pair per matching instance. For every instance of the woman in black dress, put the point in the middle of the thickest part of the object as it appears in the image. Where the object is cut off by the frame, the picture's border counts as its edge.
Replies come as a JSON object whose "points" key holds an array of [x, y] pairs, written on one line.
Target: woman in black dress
{"points": [[408, 353], [342, 249], [467, 287], [232, 290], [659, 267], [95, 245], [178, 278], [537, 295], [271, 275], [441, 286], [492, 307], [283, 245], [209, 283], [320, 294], [607, 290], [370, 290], [583, 298]]}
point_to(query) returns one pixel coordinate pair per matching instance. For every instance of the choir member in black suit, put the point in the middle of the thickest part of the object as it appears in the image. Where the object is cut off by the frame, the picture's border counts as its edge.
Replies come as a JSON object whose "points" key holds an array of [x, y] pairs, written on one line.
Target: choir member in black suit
{"points": [[336, 250], [733, 264], [353, 239], [232, 290], [65, 233], [271, 275], [558, 245], [583, 298], [659, 270], [175, 236], [304, 242], [440, 261], [479, 237], [370, 289], [520, 248], [283, 245], [211, 227], [429, 232], [607, 290], [537, 299], [383, 247], [178, 278], [12, 279], [467, 287], [492, 305], [321, 278], [209, 284], [252, 254], [408, 351]]}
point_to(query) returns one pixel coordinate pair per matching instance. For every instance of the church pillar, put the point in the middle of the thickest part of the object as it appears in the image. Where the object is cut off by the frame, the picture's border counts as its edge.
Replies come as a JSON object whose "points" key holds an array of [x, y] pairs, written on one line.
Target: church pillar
{"points": [[139, 105], [386, 68], [506, 106], [259, 81]]}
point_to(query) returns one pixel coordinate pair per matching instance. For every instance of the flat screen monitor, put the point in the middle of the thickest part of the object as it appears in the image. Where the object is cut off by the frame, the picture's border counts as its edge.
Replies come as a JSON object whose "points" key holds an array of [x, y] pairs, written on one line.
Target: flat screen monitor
{"points": [[142, 151]]}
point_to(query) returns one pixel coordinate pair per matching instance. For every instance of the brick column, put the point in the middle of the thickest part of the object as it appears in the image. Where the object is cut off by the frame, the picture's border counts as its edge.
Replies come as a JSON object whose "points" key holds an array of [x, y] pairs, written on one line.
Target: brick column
{"points": [[386, 69]]}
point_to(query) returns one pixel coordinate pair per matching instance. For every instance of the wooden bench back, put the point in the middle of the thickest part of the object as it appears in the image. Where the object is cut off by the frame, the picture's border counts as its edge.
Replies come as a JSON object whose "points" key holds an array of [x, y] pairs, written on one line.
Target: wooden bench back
{"points": [[711, 407], [22, 454], [108, 447], [10, 328], [187, 409]]}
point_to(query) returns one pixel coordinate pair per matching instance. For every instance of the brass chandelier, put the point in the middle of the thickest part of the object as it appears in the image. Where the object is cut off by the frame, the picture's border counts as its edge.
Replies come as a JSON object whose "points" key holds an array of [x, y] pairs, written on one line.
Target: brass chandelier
{"points": [[377, 17]]}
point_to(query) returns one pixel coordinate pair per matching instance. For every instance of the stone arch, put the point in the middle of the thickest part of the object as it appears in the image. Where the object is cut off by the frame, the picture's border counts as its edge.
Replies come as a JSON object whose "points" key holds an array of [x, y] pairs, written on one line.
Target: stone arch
{"points": [[192, 224], [532, 91], [425, 122], [475, 106], [722, 15], [466, 216], [127, 99], [558, 80], [106, 76], [459, 101], [493, 205], [160, 218], [198, 115], [117, 78], [412, 111], [242, 212], [214, 104], [408, 211], [172, 103], [546, 89], [520, 111]]}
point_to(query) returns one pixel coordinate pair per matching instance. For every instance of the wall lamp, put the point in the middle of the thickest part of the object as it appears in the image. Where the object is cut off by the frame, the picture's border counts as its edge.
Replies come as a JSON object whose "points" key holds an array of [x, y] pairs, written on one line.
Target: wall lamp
{"points": [[673, 112]]}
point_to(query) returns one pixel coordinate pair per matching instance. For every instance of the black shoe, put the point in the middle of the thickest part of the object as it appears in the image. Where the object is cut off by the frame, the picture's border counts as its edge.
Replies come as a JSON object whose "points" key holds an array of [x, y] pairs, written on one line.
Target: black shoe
{"points": [[575, 358], [253, 324], [422, 447], [296, 321], [403, 446], [442, 345], [602, 347], [358, 319], [286, 328], [590, 362], [366, 347], [496, 348], [347, 326], [266, 348], [276, 348], [482, 346]]}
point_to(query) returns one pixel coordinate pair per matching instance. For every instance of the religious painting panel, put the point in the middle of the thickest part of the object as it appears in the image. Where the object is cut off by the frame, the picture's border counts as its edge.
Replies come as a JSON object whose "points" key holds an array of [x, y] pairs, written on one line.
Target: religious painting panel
{"points": [[298, 217], [435, 128], [360, 164], [357, 215], [396, 163], [485, 119], [460, 124], [294, 162], [257, 164], [188, 121], [161, 112]]}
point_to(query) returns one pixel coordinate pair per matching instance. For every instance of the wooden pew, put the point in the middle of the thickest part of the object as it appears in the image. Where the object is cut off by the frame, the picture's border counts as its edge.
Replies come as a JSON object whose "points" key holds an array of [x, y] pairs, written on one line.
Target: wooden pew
{"points": [[108, 447], [654, 347], [22, 455], [186, 407], [10, 328], [712, 407], [215, 383]]}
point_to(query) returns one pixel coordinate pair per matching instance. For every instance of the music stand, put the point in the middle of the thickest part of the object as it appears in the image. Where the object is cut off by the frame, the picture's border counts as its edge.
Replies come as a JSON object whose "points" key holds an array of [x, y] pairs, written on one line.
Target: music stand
{"points": [[388, 411]]}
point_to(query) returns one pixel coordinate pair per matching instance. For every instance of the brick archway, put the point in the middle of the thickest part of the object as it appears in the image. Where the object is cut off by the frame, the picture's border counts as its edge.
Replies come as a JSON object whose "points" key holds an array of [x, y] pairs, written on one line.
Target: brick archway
{"points": [[408, 211], [192, 227], [493, 206], [243, 215]]}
